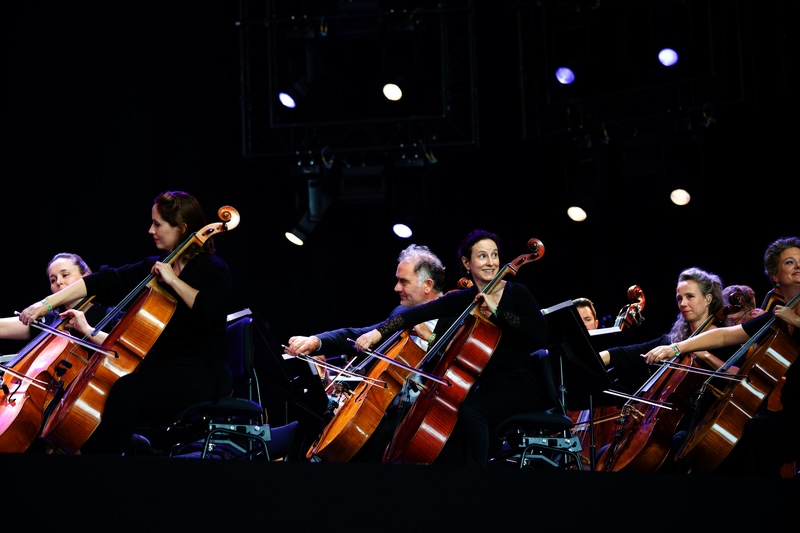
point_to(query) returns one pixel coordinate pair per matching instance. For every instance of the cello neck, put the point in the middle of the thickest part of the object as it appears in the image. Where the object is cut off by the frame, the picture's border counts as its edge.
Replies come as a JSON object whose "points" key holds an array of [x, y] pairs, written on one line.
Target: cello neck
{"points": [[451, 331]]}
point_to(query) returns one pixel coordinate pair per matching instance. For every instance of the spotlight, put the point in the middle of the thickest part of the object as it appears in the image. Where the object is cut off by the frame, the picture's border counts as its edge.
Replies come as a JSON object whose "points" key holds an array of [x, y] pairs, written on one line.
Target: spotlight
{"points": [[680, 197], [291, 97], [402, 231], [577, 214], [296, 237], [565, 75], [302, 231], [392, 92], [668, 57]]}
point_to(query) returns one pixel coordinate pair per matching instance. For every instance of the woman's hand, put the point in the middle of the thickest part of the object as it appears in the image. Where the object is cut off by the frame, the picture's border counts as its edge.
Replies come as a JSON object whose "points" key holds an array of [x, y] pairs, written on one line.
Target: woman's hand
{"points": [[658, 354], [486, 302], [76, 321], [786, 314], [34, 312], [164, 272]]}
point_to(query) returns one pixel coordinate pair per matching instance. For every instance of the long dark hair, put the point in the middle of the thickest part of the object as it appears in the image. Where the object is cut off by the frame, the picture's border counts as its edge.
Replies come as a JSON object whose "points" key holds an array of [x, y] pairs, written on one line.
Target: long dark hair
{"points": [[180, 208], [710, 285]]}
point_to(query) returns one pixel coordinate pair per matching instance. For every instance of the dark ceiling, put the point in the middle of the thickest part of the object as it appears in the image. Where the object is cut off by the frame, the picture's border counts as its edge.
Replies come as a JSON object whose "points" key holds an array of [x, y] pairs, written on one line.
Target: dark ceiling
{"points": [[107, 104]]}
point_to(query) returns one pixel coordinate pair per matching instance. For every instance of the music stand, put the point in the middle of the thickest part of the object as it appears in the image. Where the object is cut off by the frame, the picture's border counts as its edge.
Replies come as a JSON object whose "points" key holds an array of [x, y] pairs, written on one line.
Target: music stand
{"points": [[292, 389], [583, 371]]}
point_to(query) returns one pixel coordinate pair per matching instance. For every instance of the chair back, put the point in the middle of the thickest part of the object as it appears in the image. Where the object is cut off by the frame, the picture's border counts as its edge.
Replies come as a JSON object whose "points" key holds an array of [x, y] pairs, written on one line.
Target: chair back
{"points": [[544, 365], [240, 353]]}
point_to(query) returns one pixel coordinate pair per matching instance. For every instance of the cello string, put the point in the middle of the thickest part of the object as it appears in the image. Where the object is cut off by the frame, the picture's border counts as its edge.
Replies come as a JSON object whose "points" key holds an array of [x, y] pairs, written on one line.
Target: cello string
{"points": [[328, 366], [389, 360], [703, 371], [86, 344]]}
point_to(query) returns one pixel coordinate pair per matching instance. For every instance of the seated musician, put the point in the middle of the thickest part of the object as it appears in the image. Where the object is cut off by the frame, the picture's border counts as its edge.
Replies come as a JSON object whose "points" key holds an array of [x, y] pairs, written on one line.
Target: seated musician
{"points": [[698, 294], [420, 278], [186, 361], [63, 269], [508, 384], [745, 304], [770, 438]]}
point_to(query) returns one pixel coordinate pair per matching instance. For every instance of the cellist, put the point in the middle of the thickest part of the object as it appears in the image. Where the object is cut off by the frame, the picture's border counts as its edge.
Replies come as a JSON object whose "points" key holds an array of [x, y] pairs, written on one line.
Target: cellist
{"points": [[62, 269], [698, 294], [37, 361], [420, 278], [186, 363], [508, 383], [770, 438]]}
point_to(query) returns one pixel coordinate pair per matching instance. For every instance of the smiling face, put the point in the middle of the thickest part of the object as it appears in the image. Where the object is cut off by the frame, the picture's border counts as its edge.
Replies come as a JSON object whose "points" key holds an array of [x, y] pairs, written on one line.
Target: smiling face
{"points": [[484, 262], [787, 275]]}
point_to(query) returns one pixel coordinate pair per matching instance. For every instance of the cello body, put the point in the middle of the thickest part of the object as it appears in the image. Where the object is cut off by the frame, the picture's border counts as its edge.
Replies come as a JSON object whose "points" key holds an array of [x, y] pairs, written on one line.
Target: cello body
{"points": [[429, 422], [148, 309], [601, 424], [470, 343], [359, 416], [79, 411], [22, 408], [597, 426], [643, 438], [30, 383], [712, 439]]}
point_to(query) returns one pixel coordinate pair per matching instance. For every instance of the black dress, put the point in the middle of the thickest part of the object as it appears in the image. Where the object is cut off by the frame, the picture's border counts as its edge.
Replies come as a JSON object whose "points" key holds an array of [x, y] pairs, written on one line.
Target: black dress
{"points": [[185, 365], [507, 384]]}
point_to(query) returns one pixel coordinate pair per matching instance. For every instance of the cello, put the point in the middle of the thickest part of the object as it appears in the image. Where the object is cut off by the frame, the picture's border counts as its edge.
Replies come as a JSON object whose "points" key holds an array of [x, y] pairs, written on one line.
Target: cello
{"points": [[599, 423], [356, 420], [33, 379], [470, 342], [148, 309], [711, 440], [647, 424]]}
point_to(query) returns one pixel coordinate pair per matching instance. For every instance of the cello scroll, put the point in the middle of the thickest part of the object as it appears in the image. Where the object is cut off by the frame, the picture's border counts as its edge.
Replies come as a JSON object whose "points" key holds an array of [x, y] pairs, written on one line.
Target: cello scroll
{"points": [[631, 315]]}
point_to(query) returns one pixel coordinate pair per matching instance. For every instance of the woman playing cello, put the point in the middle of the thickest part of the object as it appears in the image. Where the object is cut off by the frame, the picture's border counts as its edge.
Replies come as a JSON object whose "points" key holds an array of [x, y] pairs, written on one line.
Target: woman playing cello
{"points": [[186, 364], [770, 438], [643, 442], [507, 384], [46, 363], [63, 269]]}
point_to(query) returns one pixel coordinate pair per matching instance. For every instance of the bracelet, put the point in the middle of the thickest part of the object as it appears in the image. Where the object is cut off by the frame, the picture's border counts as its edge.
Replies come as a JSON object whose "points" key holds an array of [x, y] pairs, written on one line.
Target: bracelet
{"points": [[430, 339], [50, 307], [494, 311], [675, 349]]}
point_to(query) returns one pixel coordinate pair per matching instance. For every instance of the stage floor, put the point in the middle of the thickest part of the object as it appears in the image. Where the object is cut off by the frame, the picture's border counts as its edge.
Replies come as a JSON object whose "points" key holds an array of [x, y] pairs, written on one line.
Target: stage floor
{"points": [[183, 494]]}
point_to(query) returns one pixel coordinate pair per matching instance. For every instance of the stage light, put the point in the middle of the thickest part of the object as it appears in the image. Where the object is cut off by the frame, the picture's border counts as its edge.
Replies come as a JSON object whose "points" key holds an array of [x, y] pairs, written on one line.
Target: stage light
{"points": [[402, 231], [392, 92], [296, 237], [565, 75], [680, 197], [668, 57], [577, 214], [302, 231], [291, 97]]}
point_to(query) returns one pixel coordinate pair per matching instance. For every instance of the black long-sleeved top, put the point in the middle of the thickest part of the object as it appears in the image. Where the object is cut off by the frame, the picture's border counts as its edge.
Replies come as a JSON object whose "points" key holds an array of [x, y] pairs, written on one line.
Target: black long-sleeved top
{"points": [[519, 318], [189, 333]]}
